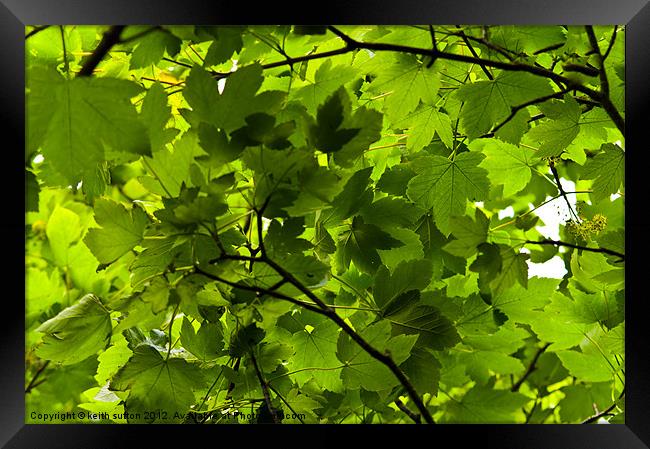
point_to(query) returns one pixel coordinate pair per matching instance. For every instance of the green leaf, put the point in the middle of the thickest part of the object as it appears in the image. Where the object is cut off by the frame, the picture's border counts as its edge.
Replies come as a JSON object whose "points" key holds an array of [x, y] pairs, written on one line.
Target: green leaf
{"points": [[409, 275], [355, 195], [446, 185], [519, 303], [156, 385], [434, 330], [206, 344], [469, 234], [238, 100], [245, 340], [228, 41], [586, 367], [484, 404], [487, 103], [607, 169], [410, 82], [423, 123], [423, 370], [85, 115], [76, 333], [171, 169], [121, 230], [63, 229], [506, 164], [328, 134], [560, 130], [361, 370], [155, 114], [152, 48], [391, 212], [315, 350], [360, 245], [327, 80]]}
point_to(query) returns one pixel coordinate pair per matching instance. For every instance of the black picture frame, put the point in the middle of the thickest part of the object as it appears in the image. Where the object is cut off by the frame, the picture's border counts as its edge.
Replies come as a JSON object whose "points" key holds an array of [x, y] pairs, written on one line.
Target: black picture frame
{"points": [[15, 14]]}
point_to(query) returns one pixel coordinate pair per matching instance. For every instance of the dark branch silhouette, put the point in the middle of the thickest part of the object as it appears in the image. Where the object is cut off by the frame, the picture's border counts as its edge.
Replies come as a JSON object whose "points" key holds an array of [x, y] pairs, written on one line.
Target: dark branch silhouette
{"points": [[110, 38], [530, 369], [571, 245]]}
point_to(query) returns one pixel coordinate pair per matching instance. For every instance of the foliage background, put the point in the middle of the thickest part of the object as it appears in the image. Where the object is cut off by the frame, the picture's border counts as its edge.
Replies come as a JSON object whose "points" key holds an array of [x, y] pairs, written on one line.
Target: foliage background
{"points": [[309, 220]]}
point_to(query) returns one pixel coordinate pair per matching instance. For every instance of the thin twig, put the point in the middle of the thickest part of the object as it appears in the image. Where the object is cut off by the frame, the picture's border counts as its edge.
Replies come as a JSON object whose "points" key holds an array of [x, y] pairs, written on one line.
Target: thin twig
{"points": [[414, 416], [556, 176], [571, 245], [515, 109], [277, 393], [597, 416], [611, 43], [265, 390], [530, 369], [32, 383], [36, 30], [473, 52]]}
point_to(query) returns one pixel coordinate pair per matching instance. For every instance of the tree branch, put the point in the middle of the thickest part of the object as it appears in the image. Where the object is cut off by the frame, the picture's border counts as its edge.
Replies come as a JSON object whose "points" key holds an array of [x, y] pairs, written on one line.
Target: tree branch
{"points": [[556, 176], [36, 30], [571, 245], [597, 416], [277, 393], [611, 43], [110, 38], [605, 100], [604, 83], [414, 416], [515, 109], [530, 369], [265, 390], [32, 383], [383, 358], [473, 52], [260, 290]]}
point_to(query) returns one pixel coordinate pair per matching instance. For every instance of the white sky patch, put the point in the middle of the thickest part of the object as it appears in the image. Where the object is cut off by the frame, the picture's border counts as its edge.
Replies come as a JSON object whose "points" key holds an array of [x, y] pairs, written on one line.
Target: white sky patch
{"points": [[552, 268], [508, 212], [556, 212], [38, 159]]}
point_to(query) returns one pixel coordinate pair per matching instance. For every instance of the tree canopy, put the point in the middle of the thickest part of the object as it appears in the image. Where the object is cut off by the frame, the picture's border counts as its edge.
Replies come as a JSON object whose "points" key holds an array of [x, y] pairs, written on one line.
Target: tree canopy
{"points": [[325, 224]]}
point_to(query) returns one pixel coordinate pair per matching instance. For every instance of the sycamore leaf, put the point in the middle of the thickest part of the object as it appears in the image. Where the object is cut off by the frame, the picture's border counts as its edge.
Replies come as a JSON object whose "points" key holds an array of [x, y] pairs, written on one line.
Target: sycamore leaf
{"points": [[361, 369], [484, 404], [446, 185], [156, 384], [607, 169], [207, 343], [85, 115], [76, 333], [489, 102], [506, 164], [327, 79], [360, 245], [434, 330], [154, 115], [120, 231], [587, 367], [238, 100], [152, 47], [560, 130], [408, 275], [423, 123], [328, 134], [409, 81], [315, 348], [469, 234], [355, 195]]}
